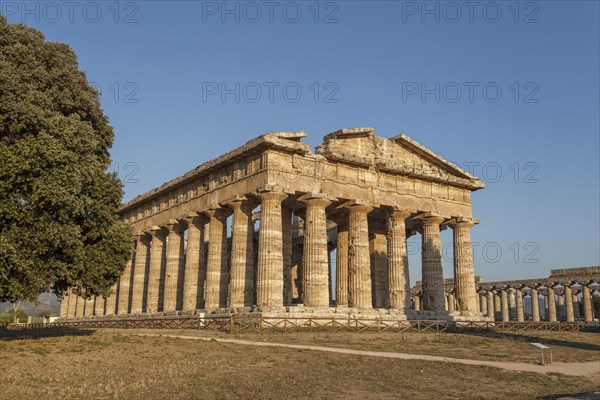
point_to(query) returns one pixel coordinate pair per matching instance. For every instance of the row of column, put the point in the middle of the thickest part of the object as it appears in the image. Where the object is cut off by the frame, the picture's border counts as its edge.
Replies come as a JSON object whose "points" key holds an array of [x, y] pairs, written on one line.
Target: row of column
{"points": [[508, 304], [166, 276]]}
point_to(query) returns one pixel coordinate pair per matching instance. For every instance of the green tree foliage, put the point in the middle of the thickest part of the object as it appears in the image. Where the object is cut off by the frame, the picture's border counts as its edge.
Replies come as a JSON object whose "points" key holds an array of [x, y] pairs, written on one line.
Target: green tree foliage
{"points": [[58, 222]]}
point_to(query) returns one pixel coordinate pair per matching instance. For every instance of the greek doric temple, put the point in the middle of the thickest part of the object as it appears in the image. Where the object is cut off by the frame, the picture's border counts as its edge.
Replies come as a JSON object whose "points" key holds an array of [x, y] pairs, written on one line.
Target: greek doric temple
{"points": [[255, 230]]}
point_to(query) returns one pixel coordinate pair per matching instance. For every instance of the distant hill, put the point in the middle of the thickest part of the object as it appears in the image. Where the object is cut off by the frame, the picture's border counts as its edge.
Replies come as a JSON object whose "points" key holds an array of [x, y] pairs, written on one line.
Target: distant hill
{"points": [[48, 303]]}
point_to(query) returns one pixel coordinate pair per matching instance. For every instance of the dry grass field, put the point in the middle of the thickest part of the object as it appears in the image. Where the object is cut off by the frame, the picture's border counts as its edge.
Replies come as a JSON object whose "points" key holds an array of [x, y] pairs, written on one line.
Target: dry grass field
{"points": [[120, 365]]}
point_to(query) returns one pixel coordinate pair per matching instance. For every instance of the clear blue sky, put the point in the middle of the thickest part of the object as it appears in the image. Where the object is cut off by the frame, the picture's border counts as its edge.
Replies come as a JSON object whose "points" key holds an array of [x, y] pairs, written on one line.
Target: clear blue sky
{"points": [[375, 63]]}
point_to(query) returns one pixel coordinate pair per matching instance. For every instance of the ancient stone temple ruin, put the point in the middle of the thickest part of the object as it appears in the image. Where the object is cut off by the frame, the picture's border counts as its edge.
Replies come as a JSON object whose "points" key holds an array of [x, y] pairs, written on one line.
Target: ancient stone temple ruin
{"points": [[253, 231]]}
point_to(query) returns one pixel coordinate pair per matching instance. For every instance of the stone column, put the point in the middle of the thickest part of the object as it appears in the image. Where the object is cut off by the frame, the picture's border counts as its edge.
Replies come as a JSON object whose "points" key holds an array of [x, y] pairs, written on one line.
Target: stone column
{"points": [[505, 309], [398, 280], [551, 305], [157, 261], [520, 306], [241, 287], [270, 253], [286, 237], [416, 302], [379, 260], [174, 266], [451, 302], [512, 305], [110, 307], [482, 304], [315, 277], [586, 295], [193, 287], [576, 310], [433, 274], [490, 304], [89, 307], [341, 286], [79, 306], [72, 304], [359, 269], [535, 304], [498, 306], [560, 309], [142, 256], [464, 273], [64, 306], [124, 286], [217, 273], [568, 294], [99, 305]]}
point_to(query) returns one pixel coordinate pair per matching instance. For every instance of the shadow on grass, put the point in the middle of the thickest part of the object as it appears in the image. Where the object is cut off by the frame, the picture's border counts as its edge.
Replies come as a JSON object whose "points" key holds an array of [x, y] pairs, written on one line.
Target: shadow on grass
{"points": [[9, 334], [573, 396], [523, 336]]}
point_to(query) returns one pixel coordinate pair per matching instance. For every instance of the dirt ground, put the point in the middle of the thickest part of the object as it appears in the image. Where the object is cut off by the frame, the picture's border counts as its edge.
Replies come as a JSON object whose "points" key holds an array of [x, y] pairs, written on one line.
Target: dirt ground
{"points": [[119, 365]]}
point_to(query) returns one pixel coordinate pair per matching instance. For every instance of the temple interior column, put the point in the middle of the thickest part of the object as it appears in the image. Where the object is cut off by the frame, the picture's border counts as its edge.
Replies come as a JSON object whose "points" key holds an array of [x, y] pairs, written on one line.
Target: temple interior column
{"points": [[568, 294], [505, 309], [297, 250], [546, 314], [193, 288], [270, 253], [341, 286], [433, 274], [286, 237], [451, 302], [241, 287], [142, 257], [124, 287], [535, 304], [217, 272], [416, 302], [551, 305], [464, 273], [316, 255], [520, 305], [482, 304], [586, 296], [398, 279], [359, 268], [157, 261], [379, 259]]}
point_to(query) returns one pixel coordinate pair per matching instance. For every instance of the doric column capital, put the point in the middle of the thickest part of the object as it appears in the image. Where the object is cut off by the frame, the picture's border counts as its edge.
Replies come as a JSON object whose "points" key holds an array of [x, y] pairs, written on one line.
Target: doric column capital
{"points": [[218, 212], [173, 226], [194, 219], [271, 195], [155, 231], [430, 219], [355, 206], [397, 213], [243, 203], [315, 200], [462, 222]]}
